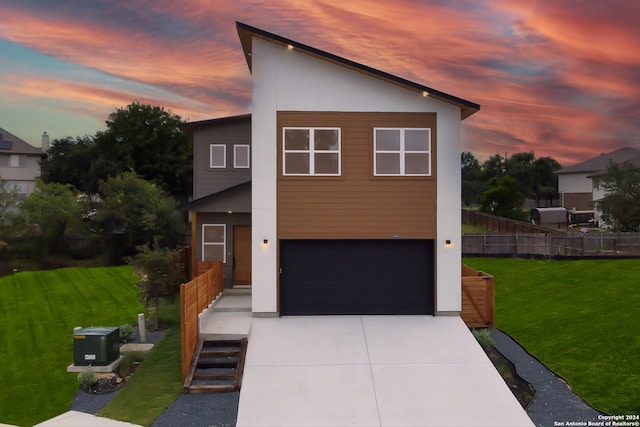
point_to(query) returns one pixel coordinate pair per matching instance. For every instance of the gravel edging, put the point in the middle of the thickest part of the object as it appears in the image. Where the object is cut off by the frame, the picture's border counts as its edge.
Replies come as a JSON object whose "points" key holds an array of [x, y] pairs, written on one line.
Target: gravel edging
{"points": [[555, 401]]}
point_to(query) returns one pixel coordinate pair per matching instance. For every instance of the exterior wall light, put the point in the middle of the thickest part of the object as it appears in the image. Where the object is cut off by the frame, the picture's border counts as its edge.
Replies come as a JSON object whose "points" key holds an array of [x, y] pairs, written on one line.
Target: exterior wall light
{"points": [[265, 241], [448, 243]]}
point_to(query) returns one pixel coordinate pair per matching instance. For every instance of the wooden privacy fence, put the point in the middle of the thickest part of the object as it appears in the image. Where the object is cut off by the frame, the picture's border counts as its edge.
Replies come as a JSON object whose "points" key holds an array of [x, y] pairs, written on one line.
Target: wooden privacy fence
{"points": [[478, 308], [503, 225], [566, 244], [195, 296]]}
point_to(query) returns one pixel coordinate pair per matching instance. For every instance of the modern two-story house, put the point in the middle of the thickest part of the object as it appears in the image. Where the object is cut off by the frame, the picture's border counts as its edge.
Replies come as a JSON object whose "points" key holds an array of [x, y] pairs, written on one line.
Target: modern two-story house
{"points": [[355, 185], [344, 183], [20, 162]]}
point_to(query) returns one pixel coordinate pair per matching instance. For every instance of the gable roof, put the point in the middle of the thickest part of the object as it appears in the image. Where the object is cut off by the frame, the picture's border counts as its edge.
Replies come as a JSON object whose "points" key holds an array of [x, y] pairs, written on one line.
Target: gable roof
{"points": [[598, 164], [247, 32], [11, 144], [190, 127]]}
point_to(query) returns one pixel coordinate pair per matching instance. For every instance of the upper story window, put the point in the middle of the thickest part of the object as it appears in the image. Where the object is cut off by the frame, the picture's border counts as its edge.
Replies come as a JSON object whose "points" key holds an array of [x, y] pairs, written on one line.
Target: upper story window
{"points": [[217, 156], [311, 151], [402, 151], [241, 155], [13, 160]]}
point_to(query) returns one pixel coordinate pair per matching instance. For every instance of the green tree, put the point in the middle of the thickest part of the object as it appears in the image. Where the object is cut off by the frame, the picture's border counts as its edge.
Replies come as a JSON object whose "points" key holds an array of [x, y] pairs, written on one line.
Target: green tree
{"points": [[503, 198], [8, 199], [621, 204], [50, 212], [158, 273], [136, 212], [146, 140], [472, 183], [520, 167], [69, 161]]}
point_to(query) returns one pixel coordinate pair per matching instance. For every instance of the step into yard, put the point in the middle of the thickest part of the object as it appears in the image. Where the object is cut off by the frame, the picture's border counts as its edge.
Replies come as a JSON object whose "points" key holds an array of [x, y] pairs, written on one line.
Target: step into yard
{"points": [[217, 367]]}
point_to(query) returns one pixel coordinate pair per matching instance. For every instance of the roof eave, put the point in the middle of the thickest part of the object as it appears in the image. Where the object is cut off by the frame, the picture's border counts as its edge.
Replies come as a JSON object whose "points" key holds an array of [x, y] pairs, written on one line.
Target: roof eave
{"points": [[247, 32]]}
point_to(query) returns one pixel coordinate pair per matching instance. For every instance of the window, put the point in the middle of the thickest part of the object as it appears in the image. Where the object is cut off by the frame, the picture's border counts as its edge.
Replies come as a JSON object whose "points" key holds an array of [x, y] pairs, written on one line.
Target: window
{"points": [[311, 151], [213, 242], [217, 156], [17, 161], [241, 155], [402, 151]]}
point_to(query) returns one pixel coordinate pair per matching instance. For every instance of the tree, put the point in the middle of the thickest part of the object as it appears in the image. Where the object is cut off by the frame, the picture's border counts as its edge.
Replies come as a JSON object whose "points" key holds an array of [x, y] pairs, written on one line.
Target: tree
{"points": [[146, 140], [8, 198], [69, 161], [621, 204], [472, 183], [158, 274], [503, 198], [50, 211], [520, 167], [136, 212]]}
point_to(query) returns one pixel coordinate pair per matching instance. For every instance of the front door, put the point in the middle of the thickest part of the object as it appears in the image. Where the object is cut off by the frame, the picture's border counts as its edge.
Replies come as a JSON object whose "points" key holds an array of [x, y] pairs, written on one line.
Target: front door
{"points": [[241, 255]]}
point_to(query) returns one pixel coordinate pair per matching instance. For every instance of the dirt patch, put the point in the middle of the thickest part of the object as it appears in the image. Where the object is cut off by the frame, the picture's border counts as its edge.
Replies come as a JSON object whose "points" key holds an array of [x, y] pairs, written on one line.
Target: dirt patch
{"points": [[521, 389]]}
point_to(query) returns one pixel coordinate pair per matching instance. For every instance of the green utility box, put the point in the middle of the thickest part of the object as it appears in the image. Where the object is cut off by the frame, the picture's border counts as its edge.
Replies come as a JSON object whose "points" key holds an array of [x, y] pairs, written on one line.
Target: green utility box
{"points": [[95, 346]]}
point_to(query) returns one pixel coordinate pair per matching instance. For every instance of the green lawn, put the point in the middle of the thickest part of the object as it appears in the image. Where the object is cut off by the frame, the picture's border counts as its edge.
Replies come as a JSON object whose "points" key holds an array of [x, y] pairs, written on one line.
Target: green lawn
{"points": [[38, 311], [153, 387], [580, 318]]}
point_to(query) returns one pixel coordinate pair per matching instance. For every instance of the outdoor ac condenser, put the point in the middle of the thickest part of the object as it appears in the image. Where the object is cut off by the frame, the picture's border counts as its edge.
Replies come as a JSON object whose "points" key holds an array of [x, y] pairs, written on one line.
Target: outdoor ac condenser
{"points": [[95, 346]]}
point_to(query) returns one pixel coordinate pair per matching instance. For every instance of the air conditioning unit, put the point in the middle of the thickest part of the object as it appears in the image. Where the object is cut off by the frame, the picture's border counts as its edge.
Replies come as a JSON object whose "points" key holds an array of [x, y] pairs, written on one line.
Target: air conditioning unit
{"points": [[96, 346]]}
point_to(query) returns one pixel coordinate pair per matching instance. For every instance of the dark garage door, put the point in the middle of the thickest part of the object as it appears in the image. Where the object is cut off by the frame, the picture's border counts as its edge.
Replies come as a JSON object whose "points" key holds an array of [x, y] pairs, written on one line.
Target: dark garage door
{"points": [[356, 277]]}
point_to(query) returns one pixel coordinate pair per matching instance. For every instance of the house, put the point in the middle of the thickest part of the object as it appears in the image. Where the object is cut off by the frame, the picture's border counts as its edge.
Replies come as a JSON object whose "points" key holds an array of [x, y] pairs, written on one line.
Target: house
{"points": [[355, 193], [20, 162], [577, 188], [220, 212]]}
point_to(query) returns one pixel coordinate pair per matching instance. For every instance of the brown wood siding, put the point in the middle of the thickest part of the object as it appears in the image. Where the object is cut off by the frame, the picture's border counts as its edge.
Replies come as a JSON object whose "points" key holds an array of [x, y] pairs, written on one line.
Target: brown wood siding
{"points": [[357, 204]]}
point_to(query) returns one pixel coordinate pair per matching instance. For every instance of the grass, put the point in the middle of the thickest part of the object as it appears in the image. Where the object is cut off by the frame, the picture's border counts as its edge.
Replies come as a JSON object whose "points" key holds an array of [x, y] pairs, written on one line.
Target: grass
{"points": [[579, 317], [152, 388], [38, 311], [157, 382]]}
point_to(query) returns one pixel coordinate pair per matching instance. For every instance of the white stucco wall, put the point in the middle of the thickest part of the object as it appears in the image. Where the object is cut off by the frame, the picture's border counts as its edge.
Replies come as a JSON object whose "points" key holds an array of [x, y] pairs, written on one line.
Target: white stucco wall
{"points": [[289, 80], [574, 183]]}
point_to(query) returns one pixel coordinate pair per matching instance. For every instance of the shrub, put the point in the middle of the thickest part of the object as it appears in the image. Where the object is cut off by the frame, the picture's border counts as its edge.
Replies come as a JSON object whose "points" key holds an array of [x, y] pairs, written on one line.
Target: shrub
{"points": [[126, 331], [87, 379], [484, 337]]}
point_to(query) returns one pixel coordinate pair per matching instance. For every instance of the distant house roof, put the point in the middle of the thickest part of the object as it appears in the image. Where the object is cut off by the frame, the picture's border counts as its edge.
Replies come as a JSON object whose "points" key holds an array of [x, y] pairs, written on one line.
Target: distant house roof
{"points": [[189, 127], [11, 144], [247, 32], [599, 164]]}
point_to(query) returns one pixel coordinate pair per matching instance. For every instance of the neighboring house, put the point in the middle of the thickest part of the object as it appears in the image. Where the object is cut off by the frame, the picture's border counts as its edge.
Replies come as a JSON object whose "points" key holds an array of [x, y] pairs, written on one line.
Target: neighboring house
{"points": [[576, 184], [220, 212], [355, 198], [20, 162]]}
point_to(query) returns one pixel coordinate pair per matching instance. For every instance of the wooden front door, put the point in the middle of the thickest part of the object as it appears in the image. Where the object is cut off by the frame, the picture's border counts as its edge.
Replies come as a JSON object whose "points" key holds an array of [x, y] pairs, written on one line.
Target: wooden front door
{"points": [[241, 255]]}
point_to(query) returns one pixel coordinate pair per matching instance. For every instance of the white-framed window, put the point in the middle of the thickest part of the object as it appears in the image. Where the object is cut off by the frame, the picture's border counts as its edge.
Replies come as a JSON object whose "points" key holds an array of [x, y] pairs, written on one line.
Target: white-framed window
{"points": [[17, 161], [402, 151], [241, 156], [311, 151], [214, 242], [217, 156]]}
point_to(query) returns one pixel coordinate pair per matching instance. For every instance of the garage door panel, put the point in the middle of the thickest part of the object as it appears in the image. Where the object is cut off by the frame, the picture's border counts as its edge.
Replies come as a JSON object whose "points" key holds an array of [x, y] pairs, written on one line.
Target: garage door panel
{"points": [[356, 277]]}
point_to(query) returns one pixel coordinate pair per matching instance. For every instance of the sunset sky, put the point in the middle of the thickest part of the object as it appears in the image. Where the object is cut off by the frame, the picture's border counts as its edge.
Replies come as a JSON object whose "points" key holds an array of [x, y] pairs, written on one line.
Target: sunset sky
{"points": [[557, 77]]}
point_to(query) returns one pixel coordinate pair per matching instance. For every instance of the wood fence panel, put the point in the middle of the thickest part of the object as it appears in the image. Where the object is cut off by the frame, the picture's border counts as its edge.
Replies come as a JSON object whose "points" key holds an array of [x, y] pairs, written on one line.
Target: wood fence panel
{"points": [[478, 301], [195, 297], [189, 323]]}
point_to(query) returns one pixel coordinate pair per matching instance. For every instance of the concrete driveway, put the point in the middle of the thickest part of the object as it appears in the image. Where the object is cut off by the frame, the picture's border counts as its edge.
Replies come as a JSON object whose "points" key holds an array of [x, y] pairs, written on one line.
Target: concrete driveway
{"points": [[371, 371]]}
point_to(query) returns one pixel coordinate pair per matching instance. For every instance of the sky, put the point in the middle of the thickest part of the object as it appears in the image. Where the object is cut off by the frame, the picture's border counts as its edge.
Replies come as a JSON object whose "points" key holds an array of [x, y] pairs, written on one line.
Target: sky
{"points": [[560, 78]]}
